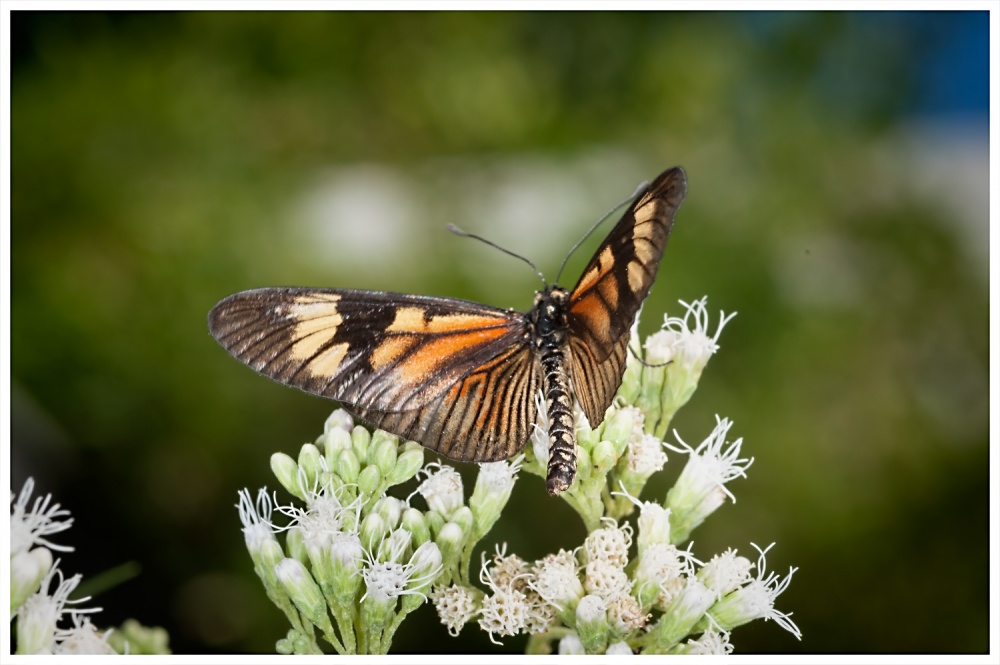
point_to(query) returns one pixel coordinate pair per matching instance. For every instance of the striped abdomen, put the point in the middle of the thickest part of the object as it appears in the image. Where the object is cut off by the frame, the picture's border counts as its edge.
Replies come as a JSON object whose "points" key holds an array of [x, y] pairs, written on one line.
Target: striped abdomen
{"points": [[548, 319]]}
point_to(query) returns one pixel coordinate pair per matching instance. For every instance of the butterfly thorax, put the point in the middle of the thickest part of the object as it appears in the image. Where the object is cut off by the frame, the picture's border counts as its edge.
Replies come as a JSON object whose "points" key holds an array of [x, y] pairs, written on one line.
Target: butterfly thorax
{"points": [[548, 326]]}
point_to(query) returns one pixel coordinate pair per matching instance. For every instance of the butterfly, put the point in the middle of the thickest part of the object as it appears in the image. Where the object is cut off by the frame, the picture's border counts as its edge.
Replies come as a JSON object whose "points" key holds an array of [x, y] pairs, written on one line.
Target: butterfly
{"points": [[458, 377]]}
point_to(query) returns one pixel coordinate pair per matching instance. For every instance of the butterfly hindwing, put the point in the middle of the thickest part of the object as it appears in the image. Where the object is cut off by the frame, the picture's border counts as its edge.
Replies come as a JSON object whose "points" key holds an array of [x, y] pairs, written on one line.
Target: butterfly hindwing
{"points": [[606, 299], [436, 370]]}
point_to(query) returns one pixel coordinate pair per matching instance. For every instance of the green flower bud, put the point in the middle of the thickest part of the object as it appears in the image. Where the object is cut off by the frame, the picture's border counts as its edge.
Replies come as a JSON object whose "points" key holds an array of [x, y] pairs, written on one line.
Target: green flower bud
{"points": [[360, 440], [296, 548], [373, 530], [592, 623], [139, 639], [650, 399], [368, 480], [395, 547], [285, 646], [620, 425], [407, 465], [27, 570], [413, 521], [391, 509], [586, 437], [435, 521], [378, 436], [426, 562], [605, 455], [584, 466], [464, 518], [339, 419], [631, 378], [286, 471], [333, 442], [304, 592], [346, 559], [309, 462], [269, 555], [383, 455], [347, 466], [450, 542], [654, 525]]}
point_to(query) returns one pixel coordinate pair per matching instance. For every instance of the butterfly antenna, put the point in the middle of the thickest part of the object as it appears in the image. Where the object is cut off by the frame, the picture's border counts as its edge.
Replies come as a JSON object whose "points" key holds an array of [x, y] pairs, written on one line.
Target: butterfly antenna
{"points": [[465, 234], [642, 186]]}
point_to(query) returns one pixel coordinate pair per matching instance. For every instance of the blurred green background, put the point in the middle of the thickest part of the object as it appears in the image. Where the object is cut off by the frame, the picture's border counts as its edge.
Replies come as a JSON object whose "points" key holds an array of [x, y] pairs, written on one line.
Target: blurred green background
{"points": [[838, 200]]}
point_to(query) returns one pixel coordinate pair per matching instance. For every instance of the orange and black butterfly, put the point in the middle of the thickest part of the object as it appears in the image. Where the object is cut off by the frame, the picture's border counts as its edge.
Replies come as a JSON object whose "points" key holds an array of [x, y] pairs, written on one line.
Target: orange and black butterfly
{"points": [[456, 376]]}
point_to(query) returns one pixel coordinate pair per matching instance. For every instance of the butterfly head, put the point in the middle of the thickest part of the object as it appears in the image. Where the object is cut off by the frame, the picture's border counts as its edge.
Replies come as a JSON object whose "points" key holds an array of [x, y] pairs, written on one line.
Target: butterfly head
{"points": [[548, 315]]}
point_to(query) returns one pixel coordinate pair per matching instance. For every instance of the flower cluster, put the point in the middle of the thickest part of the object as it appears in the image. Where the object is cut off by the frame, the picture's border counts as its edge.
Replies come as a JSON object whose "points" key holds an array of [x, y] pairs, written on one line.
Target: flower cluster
{"points": [[599, 597], [355, 559], [40, 593]]}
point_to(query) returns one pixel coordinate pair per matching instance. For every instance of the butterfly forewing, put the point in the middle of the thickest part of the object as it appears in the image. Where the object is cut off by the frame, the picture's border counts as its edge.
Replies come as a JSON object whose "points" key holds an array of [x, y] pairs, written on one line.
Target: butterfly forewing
{"points": [[610, 292], [429, 369]]}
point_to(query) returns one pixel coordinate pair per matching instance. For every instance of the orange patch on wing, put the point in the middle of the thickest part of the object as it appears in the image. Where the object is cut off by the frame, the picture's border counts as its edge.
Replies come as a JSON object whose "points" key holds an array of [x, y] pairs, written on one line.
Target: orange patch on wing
{"points": [[390, 350], [411, 319], [443, 351], [593, 310]]}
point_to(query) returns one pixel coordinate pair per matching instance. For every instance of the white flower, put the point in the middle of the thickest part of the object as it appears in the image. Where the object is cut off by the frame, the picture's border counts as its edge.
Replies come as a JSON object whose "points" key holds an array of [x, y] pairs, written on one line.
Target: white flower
{"points": [[701, 487], [540, 615], [609, 543], [645, 455], [256, 518], [32, 527], [83, 638], [660, 573], [619, 649], [556, 580], [498, 477], [492, 491], [606, 579], [38, 617], [540, 430], [27, 570], [442, 490], [709, 466], [591, 608], [756, 600], [709, 643], [677, 341], [320, 521], [385, 580], [625, 615], [455, 605], [505, 611], [570, 645], [506, 569], [654, 525], [725, 572]]}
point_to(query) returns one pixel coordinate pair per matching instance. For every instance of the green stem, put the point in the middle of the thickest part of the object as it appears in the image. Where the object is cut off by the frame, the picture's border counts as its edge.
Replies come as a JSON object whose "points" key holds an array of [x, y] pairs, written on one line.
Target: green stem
{"points": [[345, 623]]}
